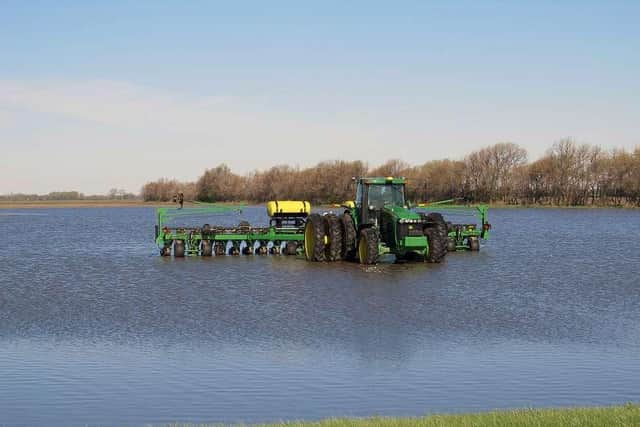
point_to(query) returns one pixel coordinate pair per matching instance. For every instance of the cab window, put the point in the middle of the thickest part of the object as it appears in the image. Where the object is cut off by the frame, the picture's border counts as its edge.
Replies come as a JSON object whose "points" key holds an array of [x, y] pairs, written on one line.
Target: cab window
{"points": [[387, 194]]}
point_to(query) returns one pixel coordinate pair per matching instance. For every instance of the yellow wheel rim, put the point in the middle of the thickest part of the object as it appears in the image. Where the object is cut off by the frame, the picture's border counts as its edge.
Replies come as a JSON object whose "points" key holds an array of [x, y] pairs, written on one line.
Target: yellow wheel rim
{"points": [[309, 240], [362, 250]]}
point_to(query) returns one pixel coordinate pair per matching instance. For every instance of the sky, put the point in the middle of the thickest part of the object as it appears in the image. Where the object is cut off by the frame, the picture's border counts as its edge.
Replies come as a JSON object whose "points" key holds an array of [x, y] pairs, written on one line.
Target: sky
{"points": [[101, 95]]}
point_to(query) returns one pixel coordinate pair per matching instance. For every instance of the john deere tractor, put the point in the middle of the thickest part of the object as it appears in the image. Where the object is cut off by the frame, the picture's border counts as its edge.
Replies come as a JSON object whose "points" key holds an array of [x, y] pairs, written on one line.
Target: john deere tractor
{"points": [[379, 221]]}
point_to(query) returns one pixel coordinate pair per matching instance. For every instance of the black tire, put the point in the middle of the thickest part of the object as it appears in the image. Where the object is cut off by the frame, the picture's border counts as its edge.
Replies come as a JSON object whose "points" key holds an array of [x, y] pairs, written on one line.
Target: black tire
{"points": [[314, 233], [474, 244], [437, 237], [348, 237], [291, 248], [219, 249], [166, 250], [368, 246], [206, 249], [451, 244], [178, 248], [334, 231]]}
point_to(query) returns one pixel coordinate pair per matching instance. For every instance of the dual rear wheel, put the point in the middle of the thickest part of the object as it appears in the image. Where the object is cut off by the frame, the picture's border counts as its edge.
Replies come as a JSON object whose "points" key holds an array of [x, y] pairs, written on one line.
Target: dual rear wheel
{"points": [[332, 238], [323, 238]]}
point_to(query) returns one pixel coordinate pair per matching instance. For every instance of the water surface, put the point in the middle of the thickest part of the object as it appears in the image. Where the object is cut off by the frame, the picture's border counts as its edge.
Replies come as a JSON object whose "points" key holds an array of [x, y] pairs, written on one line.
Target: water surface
{"points": [[95, 327]]}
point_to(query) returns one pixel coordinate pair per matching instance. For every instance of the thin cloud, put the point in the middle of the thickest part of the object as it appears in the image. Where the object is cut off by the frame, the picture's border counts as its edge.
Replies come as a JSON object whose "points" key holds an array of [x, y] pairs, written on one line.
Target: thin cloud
{"points": [[108, 123]]}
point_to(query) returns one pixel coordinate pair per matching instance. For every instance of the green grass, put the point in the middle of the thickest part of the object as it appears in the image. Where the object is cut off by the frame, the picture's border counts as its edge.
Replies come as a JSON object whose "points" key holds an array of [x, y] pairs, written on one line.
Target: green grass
{"points": [[626, 415]]}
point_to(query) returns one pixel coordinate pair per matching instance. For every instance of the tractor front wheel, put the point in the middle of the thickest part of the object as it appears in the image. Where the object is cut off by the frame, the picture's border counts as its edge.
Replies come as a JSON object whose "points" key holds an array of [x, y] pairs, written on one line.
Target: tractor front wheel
{"points": [[314, 238], [368, 246], [437, 238]]}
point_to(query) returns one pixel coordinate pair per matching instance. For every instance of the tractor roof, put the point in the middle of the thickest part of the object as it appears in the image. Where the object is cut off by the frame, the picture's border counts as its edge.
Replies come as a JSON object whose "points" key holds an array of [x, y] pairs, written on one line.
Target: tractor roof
{"points": [[381, 180]]}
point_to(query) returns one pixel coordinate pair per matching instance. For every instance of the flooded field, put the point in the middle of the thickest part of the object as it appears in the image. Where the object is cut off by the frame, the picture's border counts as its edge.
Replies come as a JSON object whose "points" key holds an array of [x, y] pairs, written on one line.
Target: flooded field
{"points": [[95, 327]]}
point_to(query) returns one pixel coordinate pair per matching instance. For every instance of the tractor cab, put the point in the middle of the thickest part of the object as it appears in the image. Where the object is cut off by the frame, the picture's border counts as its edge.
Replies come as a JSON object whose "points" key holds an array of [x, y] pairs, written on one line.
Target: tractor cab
{"points": [[374, 194]]}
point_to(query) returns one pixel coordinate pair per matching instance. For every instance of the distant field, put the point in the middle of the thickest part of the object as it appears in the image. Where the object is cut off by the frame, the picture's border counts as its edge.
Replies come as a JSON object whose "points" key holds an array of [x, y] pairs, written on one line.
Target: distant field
{"points": [[626, 415], [78, 204]]}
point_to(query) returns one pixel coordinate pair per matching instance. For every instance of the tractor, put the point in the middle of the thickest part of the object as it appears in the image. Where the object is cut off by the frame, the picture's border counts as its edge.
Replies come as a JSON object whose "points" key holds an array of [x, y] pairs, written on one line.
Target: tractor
{"points": [[379, 221]]}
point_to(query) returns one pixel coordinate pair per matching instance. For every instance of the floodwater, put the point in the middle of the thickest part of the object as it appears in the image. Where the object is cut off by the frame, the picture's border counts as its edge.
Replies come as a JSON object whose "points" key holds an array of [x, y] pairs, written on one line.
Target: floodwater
{"points": [[95, 327]]}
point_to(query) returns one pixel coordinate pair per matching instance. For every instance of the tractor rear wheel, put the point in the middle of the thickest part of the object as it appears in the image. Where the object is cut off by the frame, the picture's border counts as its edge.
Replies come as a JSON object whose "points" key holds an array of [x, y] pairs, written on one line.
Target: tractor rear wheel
{"points": [[368, 246], [314, 232], [437, 237], [178, 248], [334, 231], [348, 237]]}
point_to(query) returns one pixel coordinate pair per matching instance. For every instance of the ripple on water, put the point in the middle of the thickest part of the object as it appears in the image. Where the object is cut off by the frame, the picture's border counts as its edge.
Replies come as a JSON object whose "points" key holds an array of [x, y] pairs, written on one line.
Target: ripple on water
{"points": [[96, 328]]}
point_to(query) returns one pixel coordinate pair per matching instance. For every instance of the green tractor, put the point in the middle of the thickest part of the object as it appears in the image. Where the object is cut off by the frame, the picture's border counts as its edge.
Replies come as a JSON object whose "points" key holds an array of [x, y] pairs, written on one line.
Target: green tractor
{"points": [[379, 221]]}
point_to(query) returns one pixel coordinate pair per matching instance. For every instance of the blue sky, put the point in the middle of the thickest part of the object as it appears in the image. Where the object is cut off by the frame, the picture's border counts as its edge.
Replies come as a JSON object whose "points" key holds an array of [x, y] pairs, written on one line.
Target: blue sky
{"points": [[95, 95]]}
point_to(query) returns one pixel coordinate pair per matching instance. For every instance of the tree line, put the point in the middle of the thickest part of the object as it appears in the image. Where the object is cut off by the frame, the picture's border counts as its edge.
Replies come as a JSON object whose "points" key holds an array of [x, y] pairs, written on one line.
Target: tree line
{"points": [[569, 174], [113, 194]]}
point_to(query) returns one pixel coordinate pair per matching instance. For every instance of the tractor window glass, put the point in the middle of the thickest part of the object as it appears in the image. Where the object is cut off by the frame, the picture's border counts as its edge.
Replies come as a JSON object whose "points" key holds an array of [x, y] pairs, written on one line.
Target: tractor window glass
{"points": [[389, 194], [359, 196]]}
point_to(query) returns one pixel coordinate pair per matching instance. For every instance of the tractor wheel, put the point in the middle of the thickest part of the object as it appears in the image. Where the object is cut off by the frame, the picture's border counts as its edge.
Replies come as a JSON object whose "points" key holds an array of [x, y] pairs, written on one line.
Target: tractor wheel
{"points": [[166, 250], [178, 248], [437, 237], [368, 246], [348, 237], [451, 244], [334, 231], [314, 233], [474, 244], [206, 248], [292, 248]]}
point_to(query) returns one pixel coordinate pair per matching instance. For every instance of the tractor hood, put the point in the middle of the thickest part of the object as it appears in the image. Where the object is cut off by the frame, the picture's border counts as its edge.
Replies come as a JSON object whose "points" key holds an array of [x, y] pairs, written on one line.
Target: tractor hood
{"points": [[403, 213]]}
